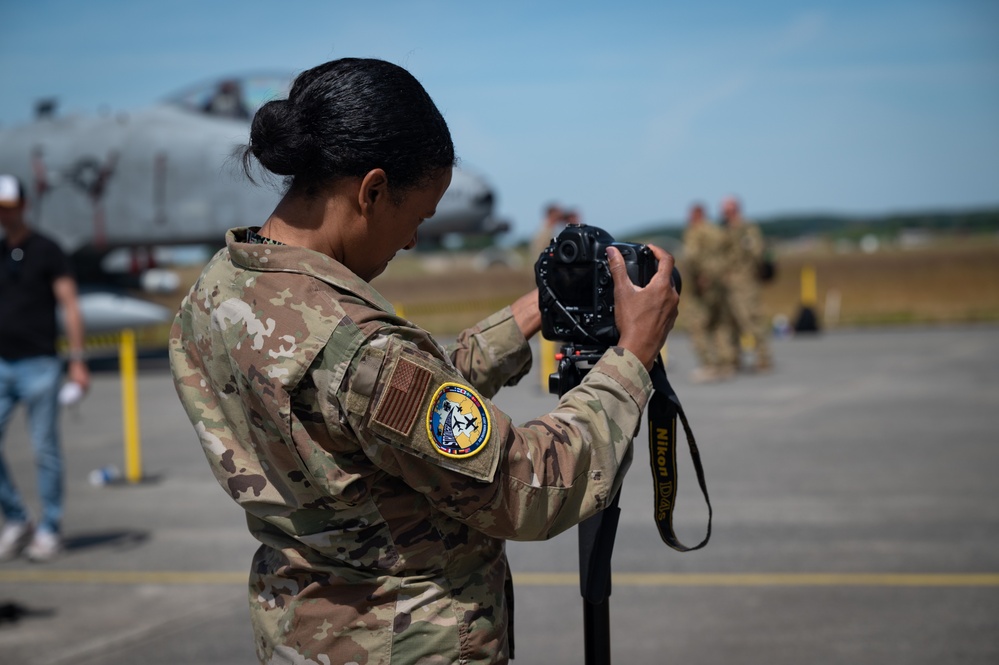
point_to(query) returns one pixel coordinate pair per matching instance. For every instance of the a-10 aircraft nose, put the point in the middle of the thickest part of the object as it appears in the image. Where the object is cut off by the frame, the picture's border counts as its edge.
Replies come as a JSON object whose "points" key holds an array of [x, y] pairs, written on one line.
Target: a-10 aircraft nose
{"points": [[104, 311]]}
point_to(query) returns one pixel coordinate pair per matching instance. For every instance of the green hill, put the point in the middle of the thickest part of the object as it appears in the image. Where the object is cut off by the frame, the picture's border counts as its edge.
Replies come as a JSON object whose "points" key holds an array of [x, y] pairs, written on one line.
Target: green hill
{"points": [[853, 227]]}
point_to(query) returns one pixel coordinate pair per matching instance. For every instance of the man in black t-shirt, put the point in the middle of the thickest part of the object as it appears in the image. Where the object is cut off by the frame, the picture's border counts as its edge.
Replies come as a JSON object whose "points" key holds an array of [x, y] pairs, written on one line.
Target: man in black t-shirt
{"points": [[35, 279]]}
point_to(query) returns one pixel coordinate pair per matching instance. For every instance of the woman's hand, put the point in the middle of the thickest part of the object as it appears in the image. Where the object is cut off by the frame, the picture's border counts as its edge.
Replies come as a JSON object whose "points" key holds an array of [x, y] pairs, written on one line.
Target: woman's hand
{"points": [[644, 315]]}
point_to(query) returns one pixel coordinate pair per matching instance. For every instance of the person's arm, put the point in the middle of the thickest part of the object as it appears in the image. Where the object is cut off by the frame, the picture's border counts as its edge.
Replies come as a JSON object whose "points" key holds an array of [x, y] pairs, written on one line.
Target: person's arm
{"points": [[757, 245], [524, 483], [527, 314], [495, 353], [65, 292]]}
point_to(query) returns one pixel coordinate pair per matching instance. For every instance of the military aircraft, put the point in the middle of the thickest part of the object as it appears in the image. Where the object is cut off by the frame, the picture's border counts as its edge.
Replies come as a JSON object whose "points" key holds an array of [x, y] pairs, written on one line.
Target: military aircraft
{"points": [[166, 176], [107, 311]]}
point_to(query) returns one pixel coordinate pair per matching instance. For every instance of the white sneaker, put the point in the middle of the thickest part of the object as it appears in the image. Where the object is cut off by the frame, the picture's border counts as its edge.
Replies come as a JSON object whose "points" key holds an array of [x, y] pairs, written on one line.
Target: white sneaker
{"points": [[13, 538], [44, 546]]}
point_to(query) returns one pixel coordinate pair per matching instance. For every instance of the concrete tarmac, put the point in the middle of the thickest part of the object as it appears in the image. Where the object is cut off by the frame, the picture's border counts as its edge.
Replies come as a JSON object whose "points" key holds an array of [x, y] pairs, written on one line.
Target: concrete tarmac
{"points": [[856, 520]]}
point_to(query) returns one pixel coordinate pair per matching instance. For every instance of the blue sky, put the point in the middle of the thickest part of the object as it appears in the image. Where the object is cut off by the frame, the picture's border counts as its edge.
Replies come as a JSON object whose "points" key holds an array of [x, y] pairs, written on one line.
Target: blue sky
{"points": [[628, 111]]}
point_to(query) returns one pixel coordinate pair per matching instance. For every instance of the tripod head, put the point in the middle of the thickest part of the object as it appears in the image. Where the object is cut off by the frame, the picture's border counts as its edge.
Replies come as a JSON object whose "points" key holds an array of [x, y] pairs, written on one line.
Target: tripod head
{"points": [[574, 361]]}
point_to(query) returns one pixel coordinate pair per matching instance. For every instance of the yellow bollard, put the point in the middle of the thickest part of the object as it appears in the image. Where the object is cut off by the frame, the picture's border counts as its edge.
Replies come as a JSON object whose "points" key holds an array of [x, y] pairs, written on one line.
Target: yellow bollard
{"points": [[808, 320], [809, 287], [547, 364], [130, 405]]}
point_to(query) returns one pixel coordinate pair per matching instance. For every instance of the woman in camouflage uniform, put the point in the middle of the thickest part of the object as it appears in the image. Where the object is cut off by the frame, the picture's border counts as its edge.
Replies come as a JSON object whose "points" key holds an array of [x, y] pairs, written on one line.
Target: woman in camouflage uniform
{"points": [[376, 473]]}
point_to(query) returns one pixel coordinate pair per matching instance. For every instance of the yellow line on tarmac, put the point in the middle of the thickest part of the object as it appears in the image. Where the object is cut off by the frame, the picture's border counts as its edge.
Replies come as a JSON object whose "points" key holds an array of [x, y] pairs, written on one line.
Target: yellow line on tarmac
{"points": [[55, 576], [808, 579], [121, 577]]}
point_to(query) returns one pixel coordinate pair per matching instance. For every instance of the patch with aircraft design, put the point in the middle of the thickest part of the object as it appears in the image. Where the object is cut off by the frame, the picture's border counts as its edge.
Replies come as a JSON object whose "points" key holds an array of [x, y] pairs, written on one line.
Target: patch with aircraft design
{"points": [[458, 422]]}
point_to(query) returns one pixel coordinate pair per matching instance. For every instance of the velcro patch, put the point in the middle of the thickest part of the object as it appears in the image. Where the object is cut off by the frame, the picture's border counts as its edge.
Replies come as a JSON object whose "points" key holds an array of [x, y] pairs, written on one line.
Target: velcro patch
{"points": [[400, 403], [458, 422]]}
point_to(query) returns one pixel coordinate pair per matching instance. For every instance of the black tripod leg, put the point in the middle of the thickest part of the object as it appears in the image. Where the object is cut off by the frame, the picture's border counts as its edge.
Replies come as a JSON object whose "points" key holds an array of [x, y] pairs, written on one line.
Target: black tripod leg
{"points": [[596, 545], [596, 534], [596, 632]]}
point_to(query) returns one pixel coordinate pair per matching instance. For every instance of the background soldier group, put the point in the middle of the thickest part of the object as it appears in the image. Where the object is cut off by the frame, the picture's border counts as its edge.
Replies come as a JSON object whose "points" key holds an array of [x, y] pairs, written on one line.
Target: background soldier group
{"points": [[722, 266]]}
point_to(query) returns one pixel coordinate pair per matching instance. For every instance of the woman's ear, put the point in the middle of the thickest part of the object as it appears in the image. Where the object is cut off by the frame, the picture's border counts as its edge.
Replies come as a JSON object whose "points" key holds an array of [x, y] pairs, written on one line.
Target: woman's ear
{"points": [[373, 191]]}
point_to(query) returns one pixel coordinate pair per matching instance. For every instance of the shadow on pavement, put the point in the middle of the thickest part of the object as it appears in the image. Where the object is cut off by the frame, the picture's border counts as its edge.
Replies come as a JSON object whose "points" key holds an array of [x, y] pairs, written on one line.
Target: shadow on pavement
{"points": [[119, 540]]}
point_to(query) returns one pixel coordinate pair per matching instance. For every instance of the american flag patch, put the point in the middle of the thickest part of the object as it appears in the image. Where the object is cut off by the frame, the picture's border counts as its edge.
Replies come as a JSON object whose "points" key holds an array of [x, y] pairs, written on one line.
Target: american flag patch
{"points": [[400, 404]]}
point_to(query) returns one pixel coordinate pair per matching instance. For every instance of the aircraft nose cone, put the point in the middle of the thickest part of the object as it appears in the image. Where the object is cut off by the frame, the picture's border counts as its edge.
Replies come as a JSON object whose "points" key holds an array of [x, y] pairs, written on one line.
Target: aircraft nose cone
{"points": [[107, 312]]}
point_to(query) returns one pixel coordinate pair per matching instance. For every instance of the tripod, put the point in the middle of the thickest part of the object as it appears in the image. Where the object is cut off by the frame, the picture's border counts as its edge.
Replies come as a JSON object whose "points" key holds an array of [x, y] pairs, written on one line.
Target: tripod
{"points": [[596, 534]]}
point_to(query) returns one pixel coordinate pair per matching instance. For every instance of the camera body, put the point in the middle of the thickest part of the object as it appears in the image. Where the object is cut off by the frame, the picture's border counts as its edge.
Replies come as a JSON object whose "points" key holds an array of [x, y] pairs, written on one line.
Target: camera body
{"points": [[576, 289]]}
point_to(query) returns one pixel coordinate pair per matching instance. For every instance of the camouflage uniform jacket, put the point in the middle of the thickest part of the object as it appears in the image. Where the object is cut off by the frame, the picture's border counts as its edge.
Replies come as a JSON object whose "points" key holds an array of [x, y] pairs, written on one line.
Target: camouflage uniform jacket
{"points": [[744, 251], [321, 414], [703, 256]]}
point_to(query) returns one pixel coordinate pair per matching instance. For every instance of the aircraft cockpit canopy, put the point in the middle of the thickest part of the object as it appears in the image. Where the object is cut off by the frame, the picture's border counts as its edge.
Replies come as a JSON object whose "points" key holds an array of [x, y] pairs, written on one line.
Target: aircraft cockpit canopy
{"points": [[236, 97]]}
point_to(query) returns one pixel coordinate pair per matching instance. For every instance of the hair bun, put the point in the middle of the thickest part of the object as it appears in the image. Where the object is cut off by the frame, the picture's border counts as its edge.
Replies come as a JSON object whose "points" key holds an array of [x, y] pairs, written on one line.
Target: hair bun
{"points": [[278, 141], [345, 118]]}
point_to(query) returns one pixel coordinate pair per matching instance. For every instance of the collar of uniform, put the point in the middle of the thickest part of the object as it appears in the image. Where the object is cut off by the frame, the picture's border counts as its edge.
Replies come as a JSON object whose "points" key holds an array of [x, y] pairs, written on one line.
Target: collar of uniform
{"points": [[268, 257]]}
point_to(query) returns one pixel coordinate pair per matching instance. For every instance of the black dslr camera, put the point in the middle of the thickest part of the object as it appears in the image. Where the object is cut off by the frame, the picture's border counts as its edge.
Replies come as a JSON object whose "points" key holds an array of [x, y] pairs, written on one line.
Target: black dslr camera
{"points": [[576, 298], [576, 290]]}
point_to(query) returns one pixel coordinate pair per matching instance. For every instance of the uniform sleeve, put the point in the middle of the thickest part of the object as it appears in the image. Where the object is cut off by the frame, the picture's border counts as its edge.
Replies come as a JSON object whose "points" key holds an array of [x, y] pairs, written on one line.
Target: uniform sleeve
{"points": [[419, 420], [752, 243], [492, 354]]}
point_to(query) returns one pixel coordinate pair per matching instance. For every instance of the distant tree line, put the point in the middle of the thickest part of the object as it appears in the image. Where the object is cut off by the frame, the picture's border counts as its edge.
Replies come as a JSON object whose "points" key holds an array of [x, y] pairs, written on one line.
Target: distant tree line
{"points": [[850, 227]]}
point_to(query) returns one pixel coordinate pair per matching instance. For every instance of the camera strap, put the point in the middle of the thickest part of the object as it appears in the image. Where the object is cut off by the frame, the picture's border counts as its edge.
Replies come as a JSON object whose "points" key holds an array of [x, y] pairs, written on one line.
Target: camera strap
{"points": [[664, 408]]}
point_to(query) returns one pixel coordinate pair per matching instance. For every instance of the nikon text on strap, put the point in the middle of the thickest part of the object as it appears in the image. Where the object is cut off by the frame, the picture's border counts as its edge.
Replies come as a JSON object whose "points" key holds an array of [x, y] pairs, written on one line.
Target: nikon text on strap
{"points": [[596, 534], [664, 407]]}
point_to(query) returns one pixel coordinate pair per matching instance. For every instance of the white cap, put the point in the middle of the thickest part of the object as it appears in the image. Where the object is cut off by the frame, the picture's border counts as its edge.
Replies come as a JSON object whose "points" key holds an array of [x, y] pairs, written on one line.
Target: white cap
{"points": [[10, 191]]}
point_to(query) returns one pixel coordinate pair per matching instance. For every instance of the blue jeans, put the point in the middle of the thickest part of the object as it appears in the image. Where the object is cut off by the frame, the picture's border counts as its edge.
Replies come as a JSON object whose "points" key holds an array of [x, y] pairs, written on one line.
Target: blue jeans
{"points": [[36, 382]]}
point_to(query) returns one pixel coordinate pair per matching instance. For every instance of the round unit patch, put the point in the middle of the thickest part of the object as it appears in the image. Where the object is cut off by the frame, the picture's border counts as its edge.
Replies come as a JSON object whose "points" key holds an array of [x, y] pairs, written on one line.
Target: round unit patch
{"points": [[457, 421]]}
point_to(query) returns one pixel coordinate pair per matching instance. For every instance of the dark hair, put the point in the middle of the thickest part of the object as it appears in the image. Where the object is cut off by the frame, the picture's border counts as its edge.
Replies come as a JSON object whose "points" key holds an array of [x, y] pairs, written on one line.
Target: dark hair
{"points": [[346, 117]]}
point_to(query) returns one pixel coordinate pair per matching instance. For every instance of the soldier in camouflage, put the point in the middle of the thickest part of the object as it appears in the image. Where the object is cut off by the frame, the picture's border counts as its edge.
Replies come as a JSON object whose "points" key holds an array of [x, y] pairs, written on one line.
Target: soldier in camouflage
{"points": [[709, 322], [376, 473], [744, 251]]}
